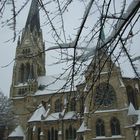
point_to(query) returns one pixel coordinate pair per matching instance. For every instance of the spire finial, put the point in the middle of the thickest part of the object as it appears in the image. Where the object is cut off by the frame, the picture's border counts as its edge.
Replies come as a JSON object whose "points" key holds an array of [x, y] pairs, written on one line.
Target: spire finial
{"points": [[33, 20], [102, 34]]}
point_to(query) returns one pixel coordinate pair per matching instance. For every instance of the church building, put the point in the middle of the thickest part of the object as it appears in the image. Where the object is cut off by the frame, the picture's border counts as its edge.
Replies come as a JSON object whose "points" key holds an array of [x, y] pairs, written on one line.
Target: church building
{"points": [[104, 106]]}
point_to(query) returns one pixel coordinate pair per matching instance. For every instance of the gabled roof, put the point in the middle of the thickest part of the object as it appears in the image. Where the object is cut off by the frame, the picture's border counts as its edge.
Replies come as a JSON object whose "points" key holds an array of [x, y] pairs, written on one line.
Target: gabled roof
{"points": [[37, 114], [83, 128], [18, 132]]}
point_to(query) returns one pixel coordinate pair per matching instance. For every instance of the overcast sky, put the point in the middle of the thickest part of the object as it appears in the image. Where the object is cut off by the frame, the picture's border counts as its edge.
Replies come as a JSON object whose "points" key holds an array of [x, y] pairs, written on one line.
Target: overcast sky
{"points": [[7, 49]]}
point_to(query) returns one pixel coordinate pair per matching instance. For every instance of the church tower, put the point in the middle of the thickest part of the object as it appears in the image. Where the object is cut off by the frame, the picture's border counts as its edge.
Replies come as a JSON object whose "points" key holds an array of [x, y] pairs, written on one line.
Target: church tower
{"points": [[30, 56], [29, 65]]}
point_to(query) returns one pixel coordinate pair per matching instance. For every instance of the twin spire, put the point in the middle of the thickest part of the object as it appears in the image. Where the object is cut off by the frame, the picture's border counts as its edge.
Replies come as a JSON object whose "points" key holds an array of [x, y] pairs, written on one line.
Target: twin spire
{"points": [[33, 20]]}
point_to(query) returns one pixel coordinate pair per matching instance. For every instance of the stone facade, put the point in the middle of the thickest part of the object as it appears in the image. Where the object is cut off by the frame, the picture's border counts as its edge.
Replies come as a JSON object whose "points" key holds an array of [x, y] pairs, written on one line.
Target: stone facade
{"points": [[95, 109]]}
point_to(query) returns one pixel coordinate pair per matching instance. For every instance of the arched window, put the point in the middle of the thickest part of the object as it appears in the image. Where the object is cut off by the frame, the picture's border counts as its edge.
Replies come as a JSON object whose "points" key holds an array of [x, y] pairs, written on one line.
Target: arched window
{"points": [[82, 105], [38, 133], [39, 70], [66, 134], [131, 94], [56, 135], [28, 51], [58, 105], [22, 73], [80, 137], [115, 126], [53, 134], [100, 130], [31, 74], [70, 133], [30, 133], [49, 135], [104, 95], [27, 74], [73, 104]]}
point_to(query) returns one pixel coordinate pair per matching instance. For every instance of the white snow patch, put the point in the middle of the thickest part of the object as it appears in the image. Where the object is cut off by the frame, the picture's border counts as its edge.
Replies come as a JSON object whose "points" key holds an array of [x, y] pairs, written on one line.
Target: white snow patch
{"points": [[131, 110], [136, 133], [111, 110], [85, 110], [60, 115], [59, 132], [17, 98], [104, 137], [41, 134], [104, 72], [137, 87], [34, 128], [21, 85], [121, 83], [46, 114]]}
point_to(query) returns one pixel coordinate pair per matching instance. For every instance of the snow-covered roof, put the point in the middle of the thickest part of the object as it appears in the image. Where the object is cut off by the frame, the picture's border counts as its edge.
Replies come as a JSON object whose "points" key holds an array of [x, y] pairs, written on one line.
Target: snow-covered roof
{"points": [[83, 128], [55, 84], [70, 115], [56, 116], [53, 116], [18, 132], [37, 114]]}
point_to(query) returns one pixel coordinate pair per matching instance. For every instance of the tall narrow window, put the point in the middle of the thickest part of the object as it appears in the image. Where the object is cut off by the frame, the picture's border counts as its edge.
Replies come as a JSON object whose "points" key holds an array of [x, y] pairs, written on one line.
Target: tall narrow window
{"points": [[38, 133], [66, 134], [80, 137], [31, 72], [49, 138], [115, 126], [53, 134], [70, 133], [22, 73], [100, 130], [82, 105], [132, 96], [58, 105], [73, 104], [56, 135], [27, 74]]}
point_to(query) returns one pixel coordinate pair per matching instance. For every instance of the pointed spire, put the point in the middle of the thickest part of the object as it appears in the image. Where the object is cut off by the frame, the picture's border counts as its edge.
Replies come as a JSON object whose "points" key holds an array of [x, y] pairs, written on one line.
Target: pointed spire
{"points": [[102, 34], [33, 20]]}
